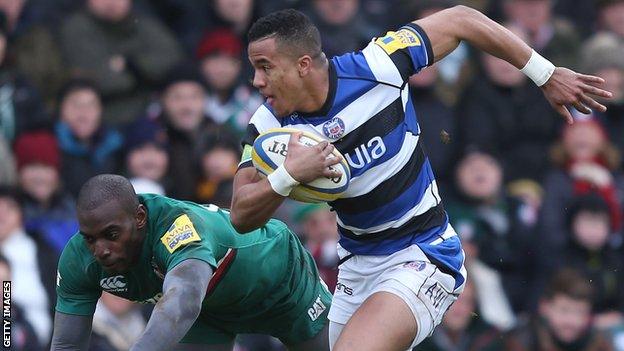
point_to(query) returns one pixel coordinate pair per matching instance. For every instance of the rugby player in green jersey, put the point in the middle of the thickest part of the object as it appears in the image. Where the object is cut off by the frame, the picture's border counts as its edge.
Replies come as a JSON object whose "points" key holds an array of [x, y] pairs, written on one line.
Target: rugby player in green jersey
{"points": [[208, 282]]}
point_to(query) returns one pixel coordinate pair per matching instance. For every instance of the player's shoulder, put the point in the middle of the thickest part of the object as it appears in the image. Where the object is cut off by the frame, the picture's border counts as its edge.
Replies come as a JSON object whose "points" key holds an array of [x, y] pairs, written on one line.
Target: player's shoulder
{"points": [[264, 118]]}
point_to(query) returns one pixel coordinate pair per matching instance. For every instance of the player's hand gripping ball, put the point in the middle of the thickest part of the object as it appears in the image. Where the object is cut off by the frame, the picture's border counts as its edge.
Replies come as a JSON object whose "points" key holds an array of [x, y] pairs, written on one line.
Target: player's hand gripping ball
{"points": [[269, 152]]}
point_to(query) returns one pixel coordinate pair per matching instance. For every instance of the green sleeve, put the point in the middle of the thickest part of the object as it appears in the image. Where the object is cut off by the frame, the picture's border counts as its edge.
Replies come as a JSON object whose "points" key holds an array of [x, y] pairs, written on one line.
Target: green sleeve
{"points": [[75, 292], [187, 237]]}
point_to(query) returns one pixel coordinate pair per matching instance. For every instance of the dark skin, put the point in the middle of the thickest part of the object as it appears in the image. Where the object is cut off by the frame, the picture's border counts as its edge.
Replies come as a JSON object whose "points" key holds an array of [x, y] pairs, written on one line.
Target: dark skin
{"points": [[113, 235]]}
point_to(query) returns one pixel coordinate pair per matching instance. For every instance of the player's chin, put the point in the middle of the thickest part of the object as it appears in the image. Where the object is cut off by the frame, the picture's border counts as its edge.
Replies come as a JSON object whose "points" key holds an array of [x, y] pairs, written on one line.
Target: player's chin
{"points": [[116, 267]]}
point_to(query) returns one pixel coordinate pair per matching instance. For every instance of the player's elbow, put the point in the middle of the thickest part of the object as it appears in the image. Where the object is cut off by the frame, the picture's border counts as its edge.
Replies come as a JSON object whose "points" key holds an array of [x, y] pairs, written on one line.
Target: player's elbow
{"points": [[240, 223]]}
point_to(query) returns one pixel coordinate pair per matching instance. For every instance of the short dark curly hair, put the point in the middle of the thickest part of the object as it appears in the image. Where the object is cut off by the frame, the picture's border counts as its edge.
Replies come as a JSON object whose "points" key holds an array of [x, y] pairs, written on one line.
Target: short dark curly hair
{"points": [[291, 28]]}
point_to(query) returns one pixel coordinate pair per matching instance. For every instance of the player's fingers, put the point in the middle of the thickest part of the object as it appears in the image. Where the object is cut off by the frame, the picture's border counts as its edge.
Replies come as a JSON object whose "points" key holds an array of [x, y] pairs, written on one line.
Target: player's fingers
{"points": [[590, 79], [590, 89], [563, 111], [329, 148], [320, 147], [581, 108], [330, 161], [295, 137], [593, 104], [331, 173]]}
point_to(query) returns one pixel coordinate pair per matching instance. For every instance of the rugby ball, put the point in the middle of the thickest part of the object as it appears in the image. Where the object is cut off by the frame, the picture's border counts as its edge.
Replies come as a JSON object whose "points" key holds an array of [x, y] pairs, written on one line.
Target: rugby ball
{"points": [[269, 152]]}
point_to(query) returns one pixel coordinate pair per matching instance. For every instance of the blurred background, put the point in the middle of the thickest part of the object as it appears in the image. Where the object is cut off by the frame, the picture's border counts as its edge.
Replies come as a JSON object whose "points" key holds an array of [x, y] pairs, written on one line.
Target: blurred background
{"points": [[159, 91]]}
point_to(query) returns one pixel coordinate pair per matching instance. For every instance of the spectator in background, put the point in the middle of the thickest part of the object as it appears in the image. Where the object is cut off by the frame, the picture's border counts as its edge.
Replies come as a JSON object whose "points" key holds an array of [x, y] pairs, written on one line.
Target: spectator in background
{"points": [[8, 172], [183, 102], [586, 162], [438, 127], [126, 53], [462, 329], [589, 251], [611, 16], [512, 118], [342, 26], [23, 337], [34, 44], [565, 319], [219, 155], [33, 264], [603, 55], [553, 37], [48, 210], [21, 108], [88, 146], [229, 102], [117, 324], [147, 157], [235, 14], [485, 215], [319, 232]]}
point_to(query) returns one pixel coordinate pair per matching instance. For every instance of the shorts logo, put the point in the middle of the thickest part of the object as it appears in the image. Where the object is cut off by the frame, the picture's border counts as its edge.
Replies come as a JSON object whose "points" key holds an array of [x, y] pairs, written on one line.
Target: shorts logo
{"points": [[179, 234], [436, 294], [317, 309], [416, 265], [345, 289], [400, 39], [114, 284], [334, 128]]}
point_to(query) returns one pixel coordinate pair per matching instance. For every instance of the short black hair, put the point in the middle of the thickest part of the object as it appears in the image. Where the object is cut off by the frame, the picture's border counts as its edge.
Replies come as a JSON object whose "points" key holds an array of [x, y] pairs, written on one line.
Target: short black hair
{"points": [[104, 188], [290, 27], [590, 202], [13, 194]]}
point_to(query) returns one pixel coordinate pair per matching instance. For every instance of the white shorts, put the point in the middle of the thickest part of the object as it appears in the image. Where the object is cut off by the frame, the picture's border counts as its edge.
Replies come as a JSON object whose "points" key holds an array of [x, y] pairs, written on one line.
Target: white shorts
{"points": [[408, 274]]}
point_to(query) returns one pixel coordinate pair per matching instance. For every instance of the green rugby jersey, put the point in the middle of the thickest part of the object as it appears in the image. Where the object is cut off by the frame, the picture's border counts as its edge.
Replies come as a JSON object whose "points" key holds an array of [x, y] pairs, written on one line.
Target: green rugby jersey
{"points": [[252, 272]]}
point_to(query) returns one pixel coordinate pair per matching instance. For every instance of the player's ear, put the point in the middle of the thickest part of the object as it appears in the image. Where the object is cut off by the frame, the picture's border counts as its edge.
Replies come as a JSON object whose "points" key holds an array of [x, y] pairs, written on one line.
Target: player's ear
{"points": [[141, 216], [304, 65]]}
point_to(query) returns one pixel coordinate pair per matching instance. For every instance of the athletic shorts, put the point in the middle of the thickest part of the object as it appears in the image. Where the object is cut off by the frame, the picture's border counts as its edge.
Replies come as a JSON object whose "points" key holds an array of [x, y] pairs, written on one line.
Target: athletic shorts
{"points": [[408, 273], [298, 315]]}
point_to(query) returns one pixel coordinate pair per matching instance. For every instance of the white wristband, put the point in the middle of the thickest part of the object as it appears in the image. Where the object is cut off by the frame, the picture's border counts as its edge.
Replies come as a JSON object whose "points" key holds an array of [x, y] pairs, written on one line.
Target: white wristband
{"points": [[538, 68], [281, 181]]}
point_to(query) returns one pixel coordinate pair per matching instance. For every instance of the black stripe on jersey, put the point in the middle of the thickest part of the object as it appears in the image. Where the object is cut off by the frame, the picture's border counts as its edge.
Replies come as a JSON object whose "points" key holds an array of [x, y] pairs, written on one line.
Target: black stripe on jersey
{"points": [[401, 58], [387, 190], [250, 135], [434, 217], [379, 125]]}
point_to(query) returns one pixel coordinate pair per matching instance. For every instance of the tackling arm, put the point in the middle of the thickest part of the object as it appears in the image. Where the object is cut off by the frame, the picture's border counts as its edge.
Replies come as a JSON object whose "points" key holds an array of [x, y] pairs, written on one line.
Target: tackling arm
{"points": [[71, 332], [184, 290], [447, 28]]}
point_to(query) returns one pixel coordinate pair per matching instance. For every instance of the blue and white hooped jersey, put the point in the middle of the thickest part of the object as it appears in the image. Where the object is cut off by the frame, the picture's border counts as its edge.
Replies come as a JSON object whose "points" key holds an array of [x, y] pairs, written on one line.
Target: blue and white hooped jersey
{"points": [[392, 201]]}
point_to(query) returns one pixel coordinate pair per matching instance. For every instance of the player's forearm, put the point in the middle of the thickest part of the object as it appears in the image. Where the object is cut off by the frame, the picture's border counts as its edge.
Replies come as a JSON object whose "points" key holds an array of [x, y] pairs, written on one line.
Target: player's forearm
{"points": [[71, 332], [184, 290], [463, 23], [253, 205]]}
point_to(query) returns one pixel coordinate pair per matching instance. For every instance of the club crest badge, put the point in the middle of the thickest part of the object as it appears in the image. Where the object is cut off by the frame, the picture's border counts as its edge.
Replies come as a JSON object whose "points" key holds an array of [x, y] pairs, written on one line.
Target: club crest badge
{"points": [[334, 128]]}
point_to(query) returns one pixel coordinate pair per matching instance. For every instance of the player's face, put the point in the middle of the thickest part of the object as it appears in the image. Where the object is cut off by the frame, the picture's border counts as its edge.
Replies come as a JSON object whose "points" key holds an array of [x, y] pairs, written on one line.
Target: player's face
{"points": [[113, 235], [276, 76]]}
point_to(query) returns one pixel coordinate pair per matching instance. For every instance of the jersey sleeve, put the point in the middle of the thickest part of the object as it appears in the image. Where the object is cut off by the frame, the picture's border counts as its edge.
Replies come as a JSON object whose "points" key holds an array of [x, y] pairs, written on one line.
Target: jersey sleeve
{"points": [[409, 49], [76, 293], [247, 143], [261, 121], [187, 238]]}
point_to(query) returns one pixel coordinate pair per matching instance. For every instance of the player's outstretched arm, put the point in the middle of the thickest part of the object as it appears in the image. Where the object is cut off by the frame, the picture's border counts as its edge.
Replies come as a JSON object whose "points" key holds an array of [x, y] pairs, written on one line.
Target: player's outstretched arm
{"points": [[71, 332], [184, 290], [561, 86]]}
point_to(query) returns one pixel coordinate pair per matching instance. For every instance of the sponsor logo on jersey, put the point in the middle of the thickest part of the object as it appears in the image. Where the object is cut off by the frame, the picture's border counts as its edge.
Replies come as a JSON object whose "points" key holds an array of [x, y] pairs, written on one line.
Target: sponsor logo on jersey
{"points": [[436, 294], [416, 265], [366, 153], [400, 39], [345, 289], [114, 284], [334, 128], [317, 309], [179, 234]]}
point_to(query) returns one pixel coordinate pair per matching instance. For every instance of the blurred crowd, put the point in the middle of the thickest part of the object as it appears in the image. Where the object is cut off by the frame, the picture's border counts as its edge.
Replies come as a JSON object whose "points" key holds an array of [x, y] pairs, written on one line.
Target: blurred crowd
{"points": [[159, 91]]}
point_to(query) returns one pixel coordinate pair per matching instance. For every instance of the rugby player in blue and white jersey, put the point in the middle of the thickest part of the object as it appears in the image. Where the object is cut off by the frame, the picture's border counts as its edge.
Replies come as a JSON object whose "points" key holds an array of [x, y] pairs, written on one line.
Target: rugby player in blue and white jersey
{"points": [[401, 261]]}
